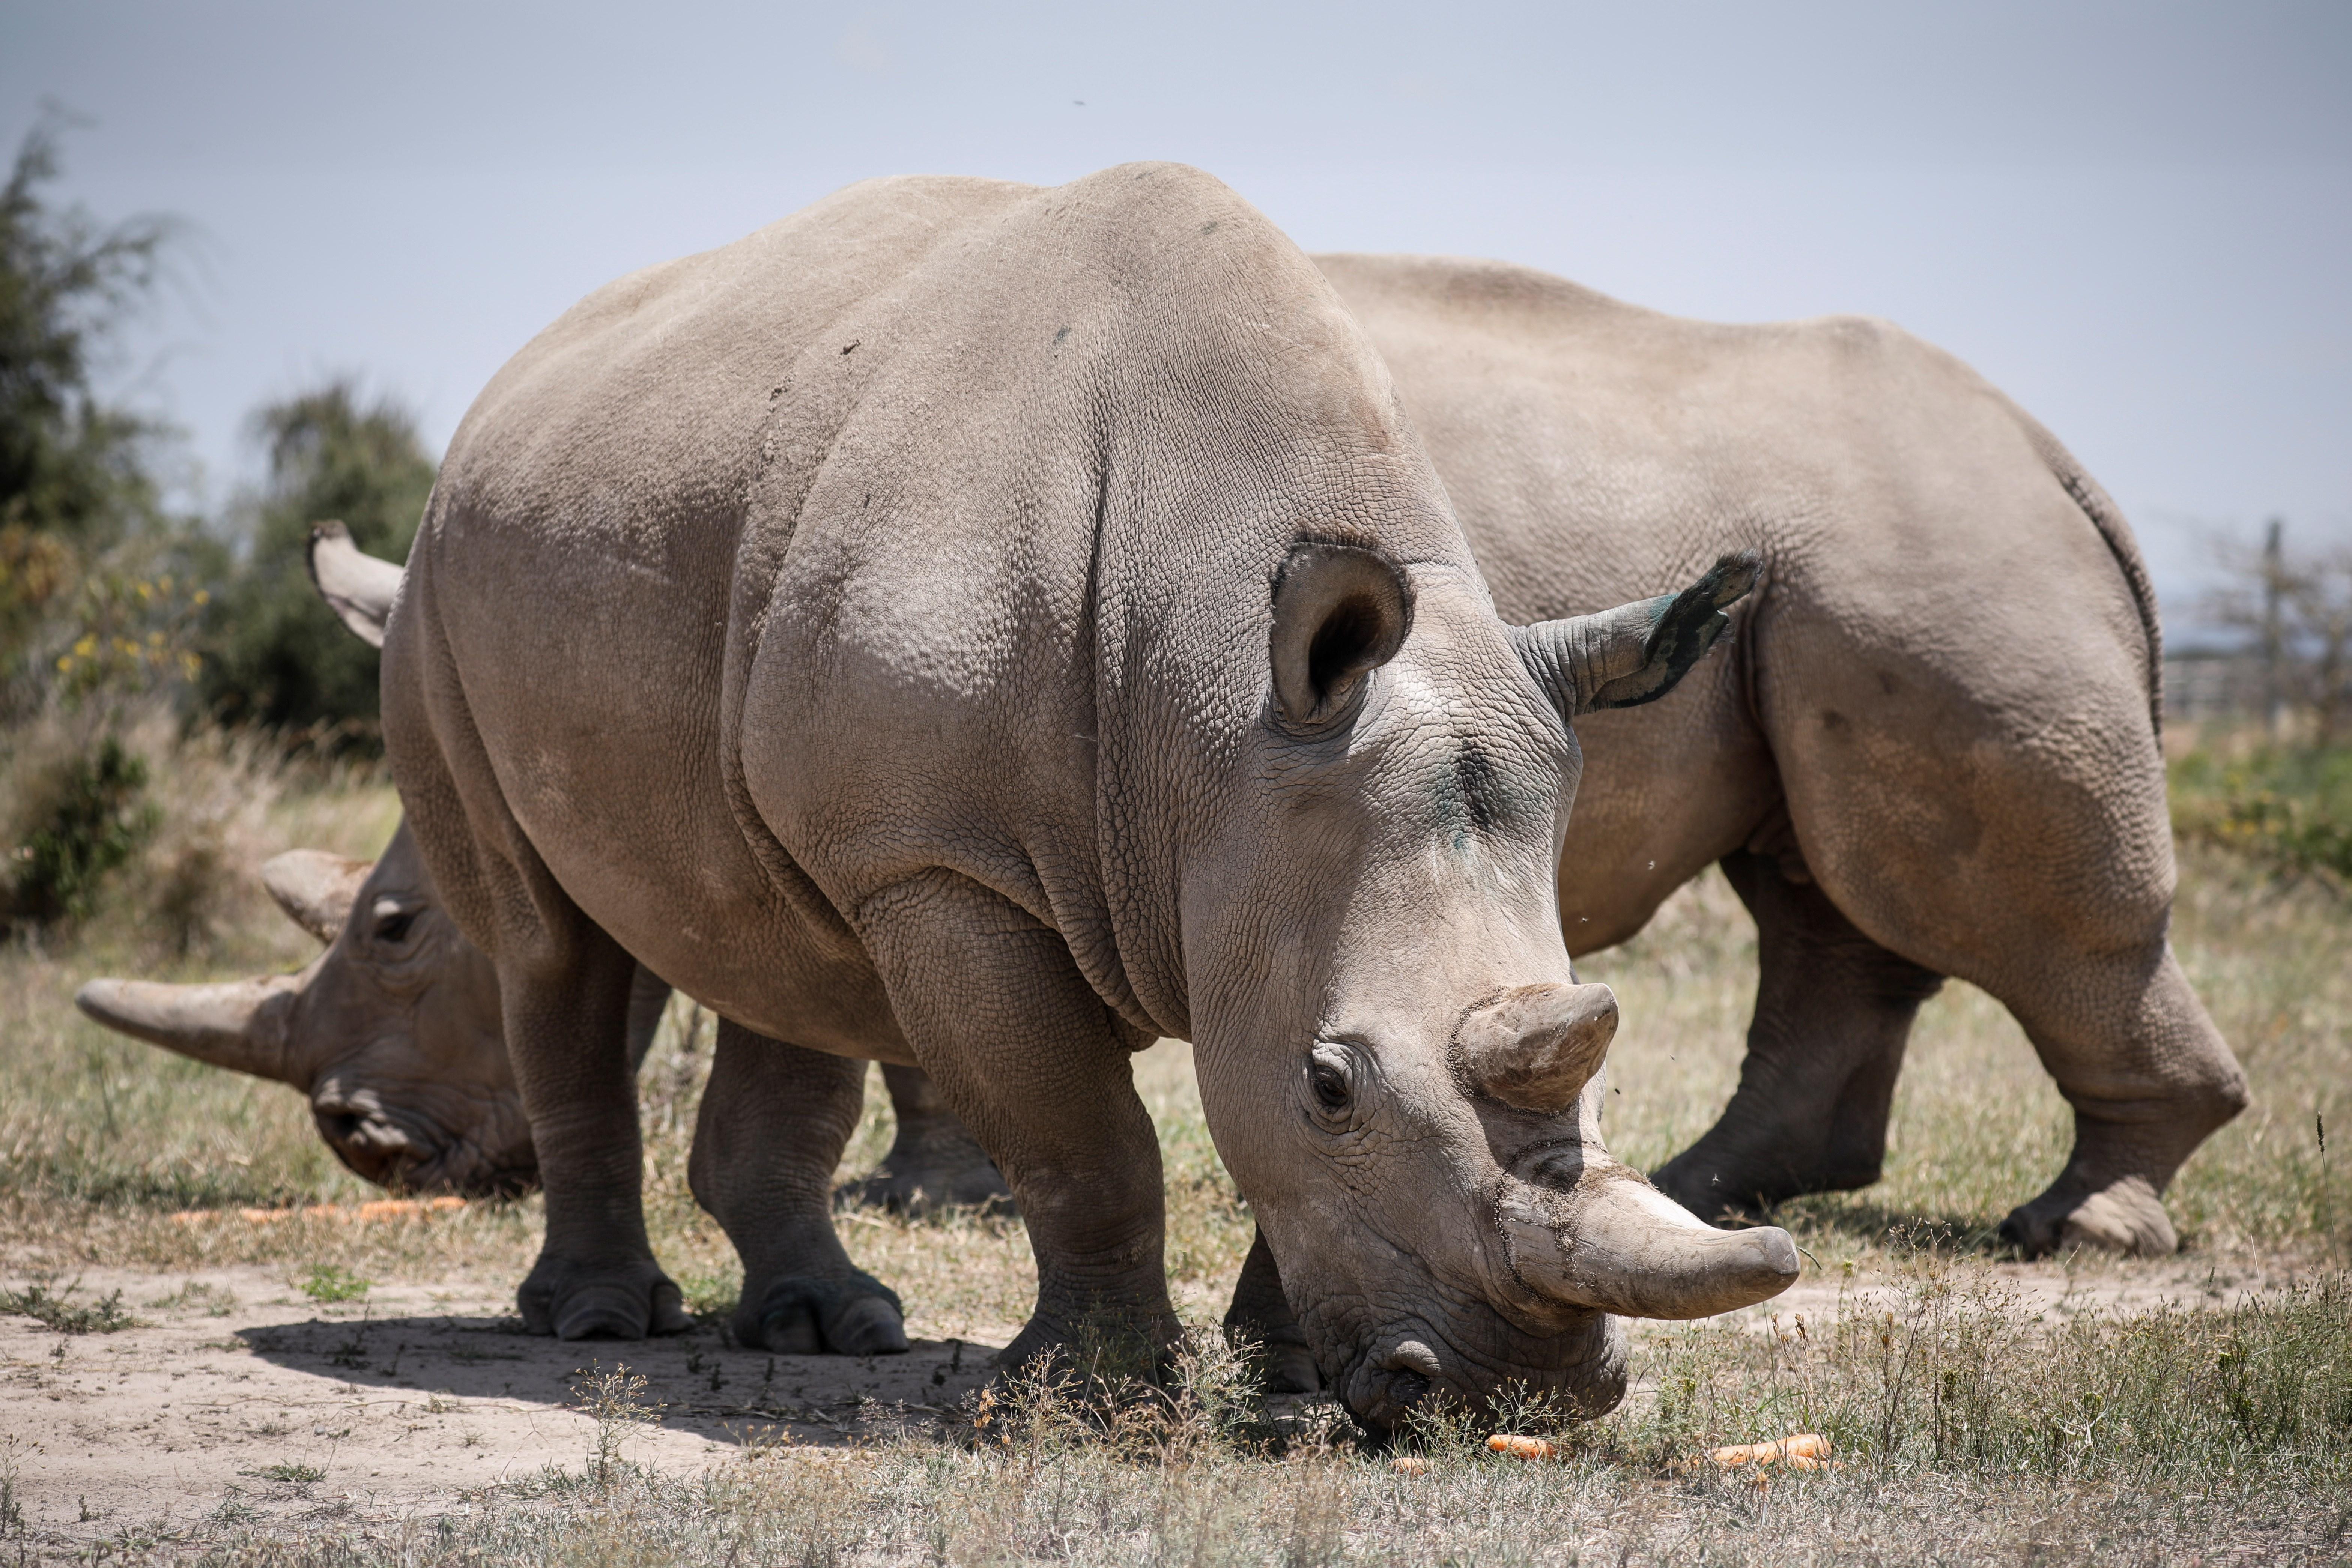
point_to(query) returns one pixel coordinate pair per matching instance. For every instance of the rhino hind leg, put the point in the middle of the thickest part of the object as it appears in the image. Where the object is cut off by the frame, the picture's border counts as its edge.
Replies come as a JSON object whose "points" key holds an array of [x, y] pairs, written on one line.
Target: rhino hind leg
{"points": [[1833, 1013], [2149, 1077], [934, 1163], [773, 1121]]}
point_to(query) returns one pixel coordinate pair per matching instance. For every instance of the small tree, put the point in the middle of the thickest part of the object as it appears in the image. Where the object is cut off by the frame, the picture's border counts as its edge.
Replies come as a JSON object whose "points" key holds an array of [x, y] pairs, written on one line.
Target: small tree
{"points": [[2297, 606], [74, 475], [279, 656]]}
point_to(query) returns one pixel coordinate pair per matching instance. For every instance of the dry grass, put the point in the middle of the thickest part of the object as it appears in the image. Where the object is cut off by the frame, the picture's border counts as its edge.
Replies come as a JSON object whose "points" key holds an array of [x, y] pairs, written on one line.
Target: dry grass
{"points": [[1965, 1435], [2094, 1438], [1977, 1126]]}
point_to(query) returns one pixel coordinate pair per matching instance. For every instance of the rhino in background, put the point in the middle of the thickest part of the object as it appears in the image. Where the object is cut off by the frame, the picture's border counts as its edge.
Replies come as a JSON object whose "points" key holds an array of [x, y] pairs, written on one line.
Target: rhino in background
{"points": [[393, 1034], [1932, 751], [1160, 695]]}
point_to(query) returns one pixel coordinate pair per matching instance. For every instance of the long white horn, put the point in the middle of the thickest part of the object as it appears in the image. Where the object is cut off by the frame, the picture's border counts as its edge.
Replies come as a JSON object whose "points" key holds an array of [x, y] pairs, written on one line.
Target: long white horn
{"points": [[1614, 1242], [241, 1024]]}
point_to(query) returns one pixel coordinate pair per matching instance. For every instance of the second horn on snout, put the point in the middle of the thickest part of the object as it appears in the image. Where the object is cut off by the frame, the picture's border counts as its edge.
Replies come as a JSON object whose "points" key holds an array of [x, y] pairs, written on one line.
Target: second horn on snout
{"points": [[1534, 1047]]}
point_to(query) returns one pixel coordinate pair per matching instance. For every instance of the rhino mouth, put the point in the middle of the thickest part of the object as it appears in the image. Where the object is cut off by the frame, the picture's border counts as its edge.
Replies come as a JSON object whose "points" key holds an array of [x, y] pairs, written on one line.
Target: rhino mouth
{"points": [[1410, 1368], [402, 1158], [1401, 1373]]}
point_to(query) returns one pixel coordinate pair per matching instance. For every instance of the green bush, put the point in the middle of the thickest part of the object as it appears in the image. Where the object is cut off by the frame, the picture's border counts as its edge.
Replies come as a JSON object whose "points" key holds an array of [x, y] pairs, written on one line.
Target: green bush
{"points": [[77, 488], [278, 658], [2291, 807], [88, 820]]}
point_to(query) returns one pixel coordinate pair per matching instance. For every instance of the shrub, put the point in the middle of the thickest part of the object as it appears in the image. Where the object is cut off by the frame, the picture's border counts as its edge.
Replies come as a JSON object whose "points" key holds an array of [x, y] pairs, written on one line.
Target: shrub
{"points": [[86, 823], [2291, 807], [278, 656]]}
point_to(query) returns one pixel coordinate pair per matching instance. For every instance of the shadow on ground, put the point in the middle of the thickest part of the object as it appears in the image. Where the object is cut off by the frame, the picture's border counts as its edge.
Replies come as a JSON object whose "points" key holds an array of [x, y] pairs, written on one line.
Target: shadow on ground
{"points": [[698, 1381], [1899, 1231]]}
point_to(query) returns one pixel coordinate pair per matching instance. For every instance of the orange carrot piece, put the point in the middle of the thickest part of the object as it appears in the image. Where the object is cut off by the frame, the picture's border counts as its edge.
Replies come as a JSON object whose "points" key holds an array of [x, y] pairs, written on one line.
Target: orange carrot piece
{"points": [[1803, 1450], [1521, 1447]]}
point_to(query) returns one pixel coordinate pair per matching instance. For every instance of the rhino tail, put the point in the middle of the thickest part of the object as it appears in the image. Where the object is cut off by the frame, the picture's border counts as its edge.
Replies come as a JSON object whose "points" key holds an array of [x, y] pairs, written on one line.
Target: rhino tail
{"points": [[2108, 519]]}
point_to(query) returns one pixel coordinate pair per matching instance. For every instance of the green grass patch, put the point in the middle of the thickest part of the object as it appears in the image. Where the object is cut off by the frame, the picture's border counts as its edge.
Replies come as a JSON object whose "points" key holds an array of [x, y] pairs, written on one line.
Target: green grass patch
{"points": [[332, 1282], [293, 1475], [102, 1316]]}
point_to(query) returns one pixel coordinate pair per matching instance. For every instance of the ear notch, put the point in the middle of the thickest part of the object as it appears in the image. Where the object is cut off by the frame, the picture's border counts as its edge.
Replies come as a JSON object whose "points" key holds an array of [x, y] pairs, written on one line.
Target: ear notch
{"points": [[315, 888], [1340, 612], [1635, 653], [356, 585]]}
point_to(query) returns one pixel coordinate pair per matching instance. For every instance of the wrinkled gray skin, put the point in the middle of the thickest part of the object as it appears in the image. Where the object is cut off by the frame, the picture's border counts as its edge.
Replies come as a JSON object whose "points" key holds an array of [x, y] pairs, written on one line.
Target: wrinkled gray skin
{"points": [[1084, 650]]}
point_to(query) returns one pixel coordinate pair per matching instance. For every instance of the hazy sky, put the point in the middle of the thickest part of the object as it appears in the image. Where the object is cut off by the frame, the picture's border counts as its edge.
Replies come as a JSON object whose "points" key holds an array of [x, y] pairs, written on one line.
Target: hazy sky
{"points": [[2135, 218]]}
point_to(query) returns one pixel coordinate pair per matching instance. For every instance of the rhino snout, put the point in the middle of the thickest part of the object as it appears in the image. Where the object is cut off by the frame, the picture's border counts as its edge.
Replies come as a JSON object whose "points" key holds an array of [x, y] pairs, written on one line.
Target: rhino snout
{"points": [[369, 1141], [1390, 1382]]}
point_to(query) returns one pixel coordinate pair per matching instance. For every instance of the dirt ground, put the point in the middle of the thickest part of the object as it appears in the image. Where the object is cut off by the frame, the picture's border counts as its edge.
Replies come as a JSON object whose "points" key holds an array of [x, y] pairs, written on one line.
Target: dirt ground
{"points": [[240, 1398], [243, 1395]]}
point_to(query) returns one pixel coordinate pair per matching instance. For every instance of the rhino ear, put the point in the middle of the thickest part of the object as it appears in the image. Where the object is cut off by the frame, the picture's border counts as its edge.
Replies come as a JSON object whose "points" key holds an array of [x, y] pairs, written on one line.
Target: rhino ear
{"points": [[356, 585], [1635, 653], [1339, 613], [315, 888]]}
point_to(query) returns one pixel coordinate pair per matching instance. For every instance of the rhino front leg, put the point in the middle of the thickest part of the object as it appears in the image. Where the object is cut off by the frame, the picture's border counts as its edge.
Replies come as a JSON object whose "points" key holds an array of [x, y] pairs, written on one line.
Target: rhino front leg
{"points": [[566, 1002], [773, 1121], [1834, 1012], [1033, 1062], [934, 1160]]}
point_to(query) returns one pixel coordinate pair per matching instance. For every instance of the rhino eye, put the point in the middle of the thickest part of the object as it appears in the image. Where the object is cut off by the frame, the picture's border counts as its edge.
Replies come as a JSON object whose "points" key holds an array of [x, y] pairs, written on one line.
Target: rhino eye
{"points": [[392, 923], [1327, 1079]]}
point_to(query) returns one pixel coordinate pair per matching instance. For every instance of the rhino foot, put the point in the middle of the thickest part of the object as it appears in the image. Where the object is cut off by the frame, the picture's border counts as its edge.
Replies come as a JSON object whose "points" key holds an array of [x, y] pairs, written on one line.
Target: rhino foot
{"points": [[601, 1301], [923, 1186], [799, 1315], [2125, 1217]]}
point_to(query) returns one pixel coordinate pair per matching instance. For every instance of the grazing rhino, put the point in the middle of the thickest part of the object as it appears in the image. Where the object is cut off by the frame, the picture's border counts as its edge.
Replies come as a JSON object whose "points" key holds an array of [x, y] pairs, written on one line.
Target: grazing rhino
{"points": [[394, 1034], [1933, 748], [986, 628]]}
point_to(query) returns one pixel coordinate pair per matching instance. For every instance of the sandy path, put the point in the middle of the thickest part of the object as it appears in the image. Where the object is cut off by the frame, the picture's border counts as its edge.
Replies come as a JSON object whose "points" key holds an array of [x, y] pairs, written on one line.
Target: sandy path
{"points": [[261, 1404]]}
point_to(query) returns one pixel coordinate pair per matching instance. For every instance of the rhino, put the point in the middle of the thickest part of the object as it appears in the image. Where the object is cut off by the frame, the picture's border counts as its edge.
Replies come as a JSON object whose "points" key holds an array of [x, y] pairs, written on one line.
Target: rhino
{"points": [[1933, 751], [394, 1034], [986, 628]]}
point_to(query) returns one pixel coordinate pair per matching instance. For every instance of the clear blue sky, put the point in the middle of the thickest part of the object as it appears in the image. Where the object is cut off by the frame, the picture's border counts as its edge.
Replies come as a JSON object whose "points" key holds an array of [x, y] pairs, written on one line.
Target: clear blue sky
{"points": [[2135, 217]]}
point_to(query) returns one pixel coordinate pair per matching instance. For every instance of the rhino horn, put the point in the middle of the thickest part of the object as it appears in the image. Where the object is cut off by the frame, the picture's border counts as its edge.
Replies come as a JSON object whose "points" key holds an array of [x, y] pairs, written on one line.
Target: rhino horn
{"points": [[1536, 1047], [1616, 1242], [1635, 653], [315, 888], [242, 1025], [356, 585]]}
